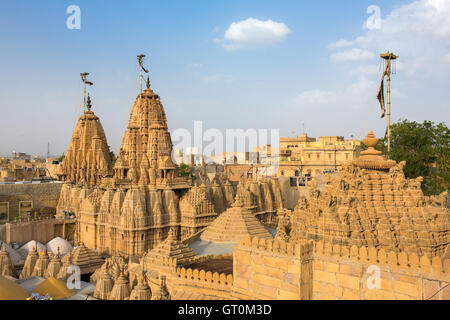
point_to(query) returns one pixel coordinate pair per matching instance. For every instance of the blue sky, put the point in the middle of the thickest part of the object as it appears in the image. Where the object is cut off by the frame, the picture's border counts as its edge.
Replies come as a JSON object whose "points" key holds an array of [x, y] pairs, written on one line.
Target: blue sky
{"points": [[294, 75]]}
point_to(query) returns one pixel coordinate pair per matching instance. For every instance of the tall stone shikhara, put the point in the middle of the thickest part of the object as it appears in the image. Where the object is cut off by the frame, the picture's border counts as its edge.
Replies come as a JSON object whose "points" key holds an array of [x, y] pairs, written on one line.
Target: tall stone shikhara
{"points": [[88, 158], [145, 157], [133, 211]]}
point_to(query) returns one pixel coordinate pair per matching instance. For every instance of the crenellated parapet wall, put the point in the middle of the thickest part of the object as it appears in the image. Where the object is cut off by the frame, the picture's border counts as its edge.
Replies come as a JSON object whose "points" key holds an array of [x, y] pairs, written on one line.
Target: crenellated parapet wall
{"points": [[272, 269], [212, 284], [361, 273], [408, 261]]}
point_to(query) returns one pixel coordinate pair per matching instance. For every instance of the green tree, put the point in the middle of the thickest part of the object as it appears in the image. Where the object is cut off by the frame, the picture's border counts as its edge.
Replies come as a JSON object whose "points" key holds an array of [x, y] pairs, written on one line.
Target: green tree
{"points": [[426, 149], [185, 171]]}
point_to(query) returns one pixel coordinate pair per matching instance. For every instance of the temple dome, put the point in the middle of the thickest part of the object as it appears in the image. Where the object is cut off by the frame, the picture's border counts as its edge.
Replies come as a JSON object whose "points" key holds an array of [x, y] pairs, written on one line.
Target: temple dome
{"points": [[29, 246], [59, 245]]}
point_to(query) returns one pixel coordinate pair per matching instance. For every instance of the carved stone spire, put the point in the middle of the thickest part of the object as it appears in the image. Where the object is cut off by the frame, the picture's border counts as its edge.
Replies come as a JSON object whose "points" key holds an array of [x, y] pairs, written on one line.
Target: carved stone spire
{"points": [[88, 158], [146, 142], [6, 265]]}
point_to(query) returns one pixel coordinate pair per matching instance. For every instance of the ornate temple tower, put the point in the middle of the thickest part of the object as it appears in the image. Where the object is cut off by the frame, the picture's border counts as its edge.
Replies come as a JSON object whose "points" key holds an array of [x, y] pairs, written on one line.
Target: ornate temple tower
{"points": [[145, 157], [88, 157]]}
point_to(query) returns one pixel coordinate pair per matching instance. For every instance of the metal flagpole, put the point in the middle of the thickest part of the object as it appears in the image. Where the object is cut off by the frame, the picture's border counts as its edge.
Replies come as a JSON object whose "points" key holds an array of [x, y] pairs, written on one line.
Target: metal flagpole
{"points": [[389, 56], [141, 68], [84, 79]]}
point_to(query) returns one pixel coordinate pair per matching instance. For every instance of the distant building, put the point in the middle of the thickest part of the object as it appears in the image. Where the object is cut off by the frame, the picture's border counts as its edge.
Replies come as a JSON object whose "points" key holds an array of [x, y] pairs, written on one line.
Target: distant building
{"points": [[23, 169], [20, 155], [305, 156]]}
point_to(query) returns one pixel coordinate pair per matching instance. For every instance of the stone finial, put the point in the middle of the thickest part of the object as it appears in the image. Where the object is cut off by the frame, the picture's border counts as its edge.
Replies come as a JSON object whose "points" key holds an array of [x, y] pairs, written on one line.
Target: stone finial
{"points": [[371, 158], [89, 102], [371, 141], [141, 291], [147, 83], [172, 234], [238, 202], [163, 293]]}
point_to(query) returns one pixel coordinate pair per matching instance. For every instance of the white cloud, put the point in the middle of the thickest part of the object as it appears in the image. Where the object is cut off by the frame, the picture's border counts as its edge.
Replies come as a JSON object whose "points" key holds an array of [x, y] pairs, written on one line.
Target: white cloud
{"points": [[367, 70], [194, 65], [447, 58], [220, 77], [253, 33], [340, 44], [358, 94], [354, 54], [419, 32]]}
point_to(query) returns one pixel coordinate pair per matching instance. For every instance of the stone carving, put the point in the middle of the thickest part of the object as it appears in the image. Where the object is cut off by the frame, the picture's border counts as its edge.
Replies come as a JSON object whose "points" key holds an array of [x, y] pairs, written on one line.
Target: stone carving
{"points": [[88, 159], [372, 204], [6, 265]]}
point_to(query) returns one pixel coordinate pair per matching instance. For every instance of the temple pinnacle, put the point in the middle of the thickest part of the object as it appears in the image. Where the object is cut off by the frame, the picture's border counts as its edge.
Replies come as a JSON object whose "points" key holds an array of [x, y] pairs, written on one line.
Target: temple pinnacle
{"points": [[88, 103]]}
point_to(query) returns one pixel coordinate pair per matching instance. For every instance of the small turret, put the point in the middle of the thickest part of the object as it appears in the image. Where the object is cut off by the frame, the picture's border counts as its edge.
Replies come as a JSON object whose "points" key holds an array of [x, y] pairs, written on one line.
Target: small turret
{"points": [[6, 265], [162, 293], [41, 264], [104, 285], [141, 291], [121, 289], [30, 262], [54, 266]]}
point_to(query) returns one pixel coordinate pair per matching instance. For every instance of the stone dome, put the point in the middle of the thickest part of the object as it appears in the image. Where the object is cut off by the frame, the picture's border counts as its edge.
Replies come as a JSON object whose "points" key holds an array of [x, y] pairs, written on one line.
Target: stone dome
{"points": [[27, 247], [63, 245]]}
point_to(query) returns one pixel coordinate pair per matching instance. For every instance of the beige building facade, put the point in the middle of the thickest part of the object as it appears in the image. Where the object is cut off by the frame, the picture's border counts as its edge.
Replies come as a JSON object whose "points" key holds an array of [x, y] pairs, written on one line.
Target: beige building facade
{"points": [[304, 155]]}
